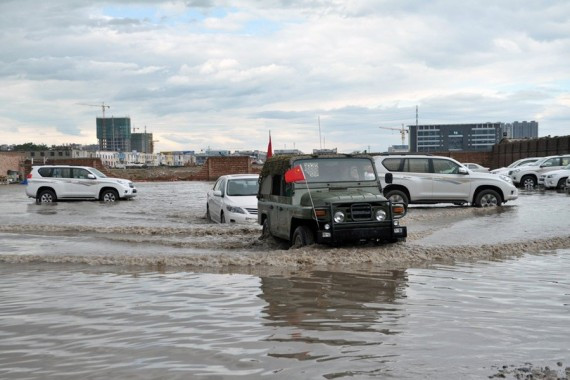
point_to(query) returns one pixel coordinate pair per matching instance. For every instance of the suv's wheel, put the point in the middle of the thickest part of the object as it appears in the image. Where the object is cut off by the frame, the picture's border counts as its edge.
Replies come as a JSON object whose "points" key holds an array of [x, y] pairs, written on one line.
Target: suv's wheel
{"points": [[488, 198], [528, 181], [109, 195], [561, 184], [302, 236], [397, 196], [46, 196]]}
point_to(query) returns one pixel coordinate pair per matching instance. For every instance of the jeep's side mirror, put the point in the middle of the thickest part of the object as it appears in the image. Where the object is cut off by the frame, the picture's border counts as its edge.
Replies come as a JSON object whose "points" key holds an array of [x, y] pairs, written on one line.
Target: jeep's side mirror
{"points": [[462, 170], [389, 177], [217, 193], [91, 176]]}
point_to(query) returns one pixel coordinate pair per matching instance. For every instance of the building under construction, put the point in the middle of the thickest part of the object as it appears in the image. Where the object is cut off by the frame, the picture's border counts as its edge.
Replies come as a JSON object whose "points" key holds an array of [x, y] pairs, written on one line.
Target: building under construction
{"points": [[142, 142], [114, 134]]}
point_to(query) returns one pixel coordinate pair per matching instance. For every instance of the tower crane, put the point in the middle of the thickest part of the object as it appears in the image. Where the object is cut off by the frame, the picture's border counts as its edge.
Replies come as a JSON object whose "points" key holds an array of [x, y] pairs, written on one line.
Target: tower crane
{"points": [[402, 131], [103, 141]]}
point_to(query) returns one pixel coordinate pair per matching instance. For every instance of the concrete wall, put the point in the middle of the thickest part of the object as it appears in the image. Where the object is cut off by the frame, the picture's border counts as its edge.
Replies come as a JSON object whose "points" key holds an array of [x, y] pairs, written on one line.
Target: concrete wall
{"points": [[12, 161], [509, 151]]}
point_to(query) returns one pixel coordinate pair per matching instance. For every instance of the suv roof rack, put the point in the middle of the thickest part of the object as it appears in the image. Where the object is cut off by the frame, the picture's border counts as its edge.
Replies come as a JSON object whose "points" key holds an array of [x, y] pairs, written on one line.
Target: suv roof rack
{"points": [[404, 154]]}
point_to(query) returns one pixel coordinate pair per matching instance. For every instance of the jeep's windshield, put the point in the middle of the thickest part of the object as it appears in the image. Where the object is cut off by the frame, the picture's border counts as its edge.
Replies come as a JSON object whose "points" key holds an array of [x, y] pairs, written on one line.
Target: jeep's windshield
{"points": [[337, 170], [243, 186], [97, 173]]}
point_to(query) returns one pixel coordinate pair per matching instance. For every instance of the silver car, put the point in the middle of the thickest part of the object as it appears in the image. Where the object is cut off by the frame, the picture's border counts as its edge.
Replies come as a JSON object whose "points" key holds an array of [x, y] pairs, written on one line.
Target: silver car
{"points": [[52, 182]]}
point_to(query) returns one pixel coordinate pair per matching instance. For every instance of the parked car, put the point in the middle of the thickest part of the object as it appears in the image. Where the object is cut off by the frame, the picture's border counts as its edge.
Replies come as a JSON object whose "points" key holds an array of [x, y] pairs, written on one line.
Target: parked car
{"points": [[527, 176], [50, 183], [516, 164], [328, 199], [233, 199], [476, 167], [555, 179], [421, 179]]}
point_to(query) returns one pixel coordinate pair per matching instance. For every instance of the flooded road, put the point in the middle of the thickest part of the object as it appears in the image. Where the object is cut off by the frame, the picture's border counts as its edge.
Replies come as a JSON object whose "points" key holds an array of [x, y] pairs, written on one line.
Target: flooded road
{"points": [[148, 289]]}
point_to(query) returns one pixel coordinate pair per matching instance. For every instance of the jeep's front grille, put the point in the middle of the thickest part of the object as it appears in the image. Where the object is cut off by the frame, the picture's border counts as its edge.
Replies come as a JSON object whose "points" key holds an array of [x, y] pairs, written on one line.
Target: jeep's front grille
{"points": [[361, 211]]}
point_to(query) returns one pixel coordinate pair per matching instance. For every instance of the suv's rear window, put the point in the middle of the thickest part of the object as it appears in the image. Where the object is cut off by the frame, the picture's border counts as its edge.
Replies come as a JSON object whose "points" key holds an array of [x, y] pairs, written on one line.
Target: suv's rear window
{"points": [[45, 172], [392, 164]]}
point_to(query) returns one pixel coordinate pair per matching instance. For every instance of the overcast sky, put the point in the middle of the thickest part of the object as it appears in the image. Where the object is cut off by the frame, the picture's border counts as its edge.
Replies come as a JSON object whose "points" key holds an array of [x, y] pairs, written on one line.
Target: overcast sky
{"points": [[222, 74]]}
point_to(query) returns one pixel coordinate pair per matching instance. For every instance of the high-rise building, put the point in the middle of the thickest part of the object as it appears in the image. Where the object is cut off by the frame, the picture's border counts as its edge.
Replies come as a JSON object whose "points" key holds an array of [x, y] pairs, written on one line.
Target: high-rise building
{"points": [[114, 134], [454, 137], [142, 142], [521, 130]]}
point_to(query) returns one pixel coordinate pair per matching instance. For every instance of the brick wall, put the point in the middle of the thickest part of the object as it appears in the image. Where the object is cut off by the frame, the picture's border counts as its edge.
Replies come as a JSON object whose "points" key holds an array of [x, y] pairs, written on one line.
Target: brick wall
{"points": [[92, 162], [12, 161], [509, 151], [218, 166]]}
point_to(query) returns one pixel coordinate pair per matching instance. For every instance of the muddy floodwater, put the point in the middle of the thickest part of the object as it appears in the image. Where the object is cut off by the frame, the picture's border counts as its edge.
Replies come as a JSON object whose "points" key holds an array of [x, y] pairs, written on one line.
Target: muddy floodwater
{"points": [[148, 289]]}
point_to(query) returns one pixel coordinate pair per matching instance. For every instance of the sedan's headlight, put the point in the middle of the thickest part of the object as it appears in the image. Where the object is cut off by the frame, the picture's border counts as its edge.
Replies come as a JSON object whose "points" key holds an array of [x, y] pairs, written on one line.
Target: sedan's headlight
{"points": [[380, 215], [505, 178], [235, 210], [338, 217]]}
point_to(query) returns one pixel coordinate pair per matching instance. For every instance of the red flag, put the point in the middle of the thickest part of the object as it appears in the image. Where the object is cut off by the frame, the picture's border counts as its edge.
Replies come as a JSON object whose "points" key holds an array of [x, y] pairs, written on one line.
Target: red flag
{"points": [[269, 149], [295, 174]]}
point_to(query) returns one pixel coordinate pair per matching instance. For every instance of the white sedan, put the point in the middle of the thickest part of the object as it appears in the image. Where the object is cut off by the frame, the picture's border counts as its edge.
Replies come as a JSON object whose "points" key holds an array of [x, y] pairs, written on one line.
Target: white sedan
{"points": [[476, 168], [233, 199]]}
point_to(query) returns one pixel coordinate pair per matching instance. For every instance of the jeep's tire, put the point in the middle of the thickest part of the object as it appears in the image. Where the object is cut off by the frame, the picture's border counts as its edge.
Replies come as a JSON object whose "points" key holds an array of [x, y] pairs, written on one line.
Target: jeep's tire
{"points": [[561, 184], [528, 181], [46, 196], [109, 195], [487, 198], [265, 230], [302, 236], [397, 196]]}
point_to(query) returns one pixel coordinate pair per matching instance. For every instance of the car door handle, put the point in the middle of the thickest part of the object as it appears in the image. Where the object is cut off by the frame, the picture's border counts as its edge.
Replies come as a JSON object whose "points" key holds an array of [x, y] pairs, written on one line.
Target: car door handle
{"points": [[271, 207], [280, 208]]}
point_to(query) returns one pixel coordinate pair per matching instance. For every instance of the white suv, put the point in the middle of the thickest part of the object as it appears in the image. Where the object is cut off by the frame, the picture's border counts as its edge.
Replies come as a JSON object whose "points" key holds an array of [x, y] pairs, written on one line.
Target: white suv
{"points": [[528, 175], [52, 182], [555, 179], [435, 179]]}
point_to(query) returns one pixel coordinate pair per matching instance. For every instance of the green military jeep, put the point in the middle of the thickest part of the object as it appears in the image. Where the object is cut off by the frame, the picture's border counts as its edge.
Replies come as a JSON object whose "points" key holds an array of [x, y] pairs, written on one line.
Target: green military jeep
{"points": [[329, 199]]}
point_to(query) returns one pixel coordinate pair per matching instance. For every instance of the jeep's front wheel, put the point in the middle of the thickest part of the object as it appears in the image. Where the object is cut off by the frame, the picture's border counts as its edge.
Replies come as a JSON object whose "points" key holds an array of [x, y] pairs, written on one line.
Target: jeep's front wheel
{"points": [[302, 236], [397, 196], [265, 232], [488, 198]]}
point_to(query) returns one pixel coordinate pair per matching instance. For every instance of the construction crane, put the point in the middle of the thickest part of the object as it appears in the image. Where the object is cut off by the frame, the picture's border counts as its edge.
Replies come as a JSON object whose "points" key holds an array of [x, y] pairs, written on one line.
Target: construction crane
{"points": [[103, 142], [402, 131]]}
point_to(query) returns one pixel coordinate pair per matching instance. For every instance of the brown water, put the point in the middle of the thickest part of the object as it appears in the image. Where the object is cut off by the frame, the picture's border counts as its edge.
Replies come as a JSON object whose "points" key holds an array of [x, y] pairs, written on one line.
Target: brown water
{"points": [[147, 289]]}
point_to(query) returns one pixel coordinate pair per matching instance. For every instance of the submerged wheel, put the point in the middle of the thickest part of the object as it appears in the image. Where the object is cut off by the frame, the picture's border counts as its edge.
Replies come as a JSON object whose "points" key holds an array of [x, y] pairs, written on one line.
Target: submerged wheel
{"points": [[109, 195], [265, 231], [561, 184], [222, 218], [302, 236], [46, 196], [528, 181], [208, 217], [488, 198]]}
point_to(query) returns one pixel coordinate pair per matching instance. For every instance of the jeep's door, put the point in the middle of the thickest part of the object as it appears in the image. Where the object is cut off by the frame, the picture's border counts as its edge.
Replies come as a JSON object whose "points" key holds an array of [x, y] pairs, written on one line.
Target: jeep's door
{"points": [[448, 184]]}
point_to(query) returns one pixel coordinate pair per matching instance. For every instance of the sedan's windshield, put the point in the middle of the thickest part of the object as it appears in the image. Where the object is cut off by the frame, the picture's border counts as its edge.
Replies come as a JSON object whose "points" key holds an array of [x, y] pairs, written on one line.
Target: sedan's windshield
{"points": [[243, 187], [337, 169], [97, 173]]}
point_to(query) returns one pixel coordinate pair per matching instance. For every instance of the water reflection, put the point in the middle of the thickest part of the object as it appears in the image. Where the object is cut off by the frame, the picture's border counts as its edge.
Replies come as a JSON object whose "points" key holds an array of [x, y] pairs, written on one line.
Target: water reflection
{"points": [[334, 300]]}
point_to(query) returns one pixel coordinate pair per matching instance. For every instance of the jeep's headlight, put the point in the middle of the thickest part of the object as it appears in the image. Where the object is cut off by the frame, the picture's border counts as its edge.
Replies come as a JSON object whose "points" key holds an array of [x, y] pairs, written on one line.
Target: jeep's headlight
{"points": [[236, 210], [338, 217], [380, 215], [506, 178]]}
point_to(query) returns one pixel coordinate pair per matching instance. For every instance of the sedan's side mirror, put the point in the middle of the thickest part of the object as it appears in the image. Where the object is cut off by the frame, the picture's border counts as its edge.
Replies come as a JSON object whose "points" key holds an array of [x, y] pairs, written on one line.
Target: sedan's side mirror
{"points": [[389, 178], [217, 193], [462, 170]]}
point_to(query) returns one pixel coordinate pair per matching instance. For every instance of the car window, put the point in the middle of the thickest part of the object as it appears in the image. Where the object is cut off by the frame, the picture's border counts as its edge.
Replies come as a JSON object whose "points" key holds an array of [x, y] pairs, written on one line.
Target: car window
{"points": [[61, 173], [98, 173], [337, 170], [551, 162], [416, 165], [243, 187], [80, 173], [445, 166], [565, 160], [277, 185], [45, 172], [392, 164], [218, 184]]}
